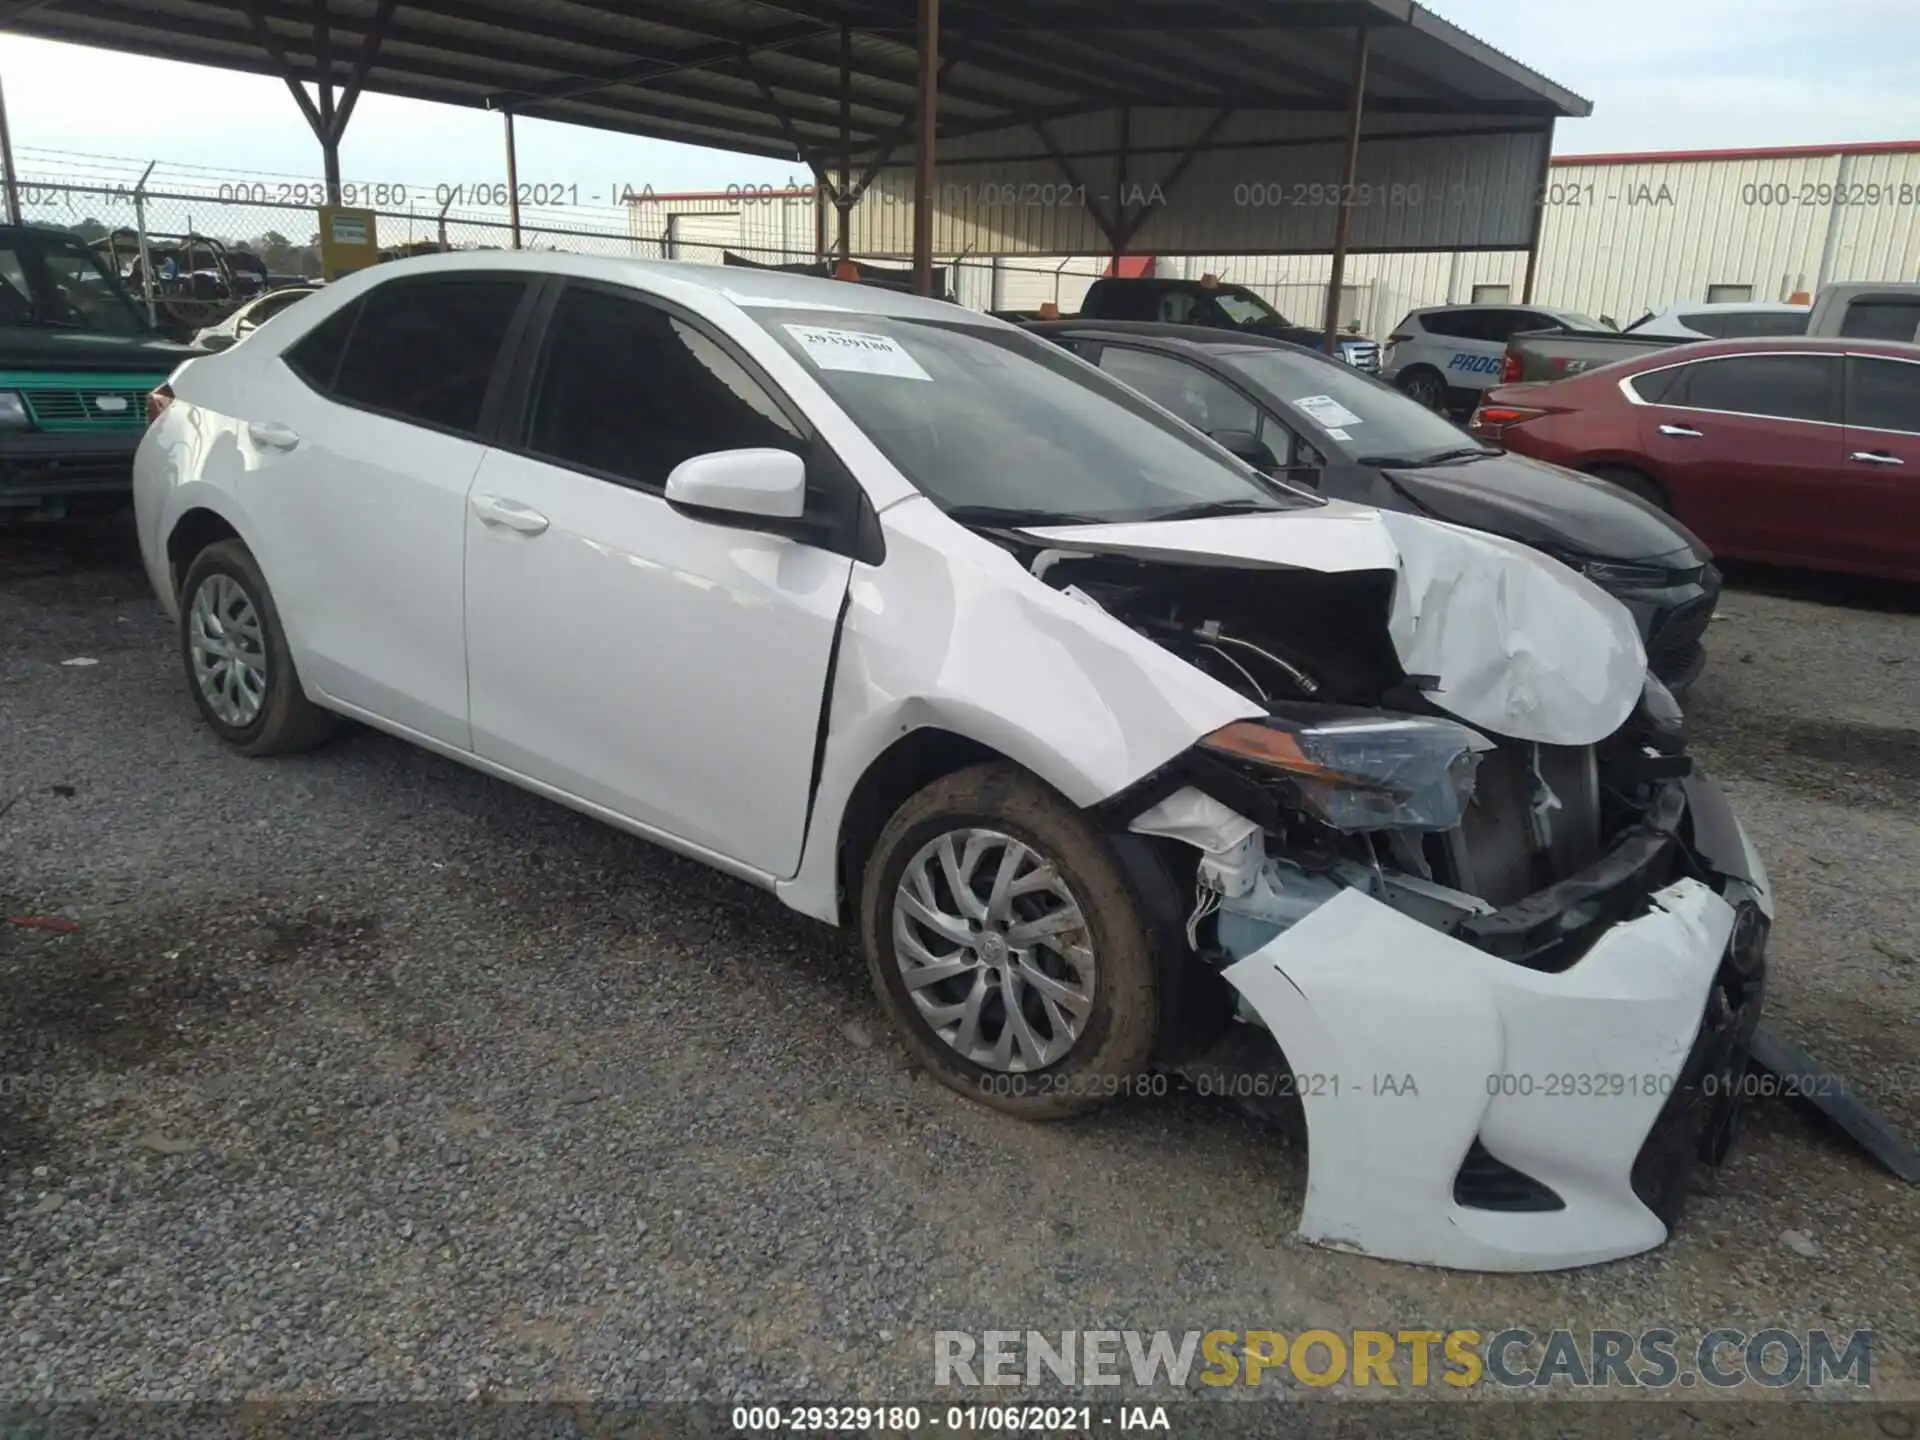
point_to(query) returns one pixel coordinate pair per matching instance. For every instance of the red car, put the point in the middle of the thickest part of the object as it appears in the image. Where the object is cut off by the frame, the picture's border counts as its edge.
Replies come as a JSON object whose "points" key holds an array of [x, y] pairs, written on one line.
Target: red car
{"points": [[1797, 451]]}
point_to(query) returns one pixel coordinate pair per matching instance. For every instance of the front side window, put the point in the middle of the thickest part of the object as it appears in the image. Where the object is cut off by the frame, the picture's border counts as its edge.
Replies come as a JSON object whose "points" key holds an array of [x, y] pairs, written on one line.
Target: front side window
{"points": [[991, 423], [629, 390], [1207, 404], [1245, 309], [425, 349], [1883, 394], [1780, 387], [46, 281]]}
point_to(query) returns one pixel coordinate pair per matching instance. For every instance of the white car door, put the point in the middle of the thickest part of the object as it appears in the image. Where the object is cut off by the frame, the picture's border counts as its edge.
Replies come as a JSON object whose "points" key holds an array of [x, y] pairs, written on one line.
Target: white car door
{"points": [[669, 669], [364, 440]]}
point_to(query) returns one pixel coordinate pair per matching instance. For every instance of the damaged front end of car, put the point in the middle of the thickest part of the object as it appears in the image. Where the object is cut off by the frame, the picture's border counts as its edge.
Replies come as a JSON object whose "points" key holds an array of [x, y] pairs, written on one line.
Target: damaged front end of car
{"points": [[1458, 898]]}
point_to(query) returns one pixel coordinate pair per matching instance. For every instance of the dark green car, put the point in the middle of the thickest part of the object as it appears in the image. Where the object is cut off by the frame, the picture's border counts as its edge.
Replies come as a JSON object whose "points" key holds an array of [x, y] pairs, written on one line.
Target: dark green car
{"points": [[77, 361]]}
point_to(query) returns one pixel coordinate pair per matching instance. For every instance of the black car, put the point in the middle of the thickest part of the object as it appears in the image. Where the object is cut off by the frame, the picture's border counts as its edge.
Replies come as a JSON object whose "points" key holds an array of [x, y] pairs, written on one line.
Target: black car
{"points": [[1295, 413]]}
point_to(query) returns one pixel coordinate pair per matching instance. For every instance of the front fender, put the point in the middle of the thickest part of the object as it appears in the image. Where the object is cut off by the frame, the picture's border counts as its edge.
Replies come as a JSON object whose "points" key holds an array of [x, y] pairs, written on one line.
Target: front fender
{"points": [[952, 633]]}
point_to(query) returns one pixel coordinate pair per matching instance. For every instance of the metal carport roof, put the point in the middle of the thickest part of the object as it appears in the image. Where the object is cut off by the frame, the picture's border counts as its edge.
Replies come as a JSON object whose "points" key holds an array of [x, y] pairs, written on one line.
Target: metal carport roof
{"points": [[840, 84], [700, 70]]}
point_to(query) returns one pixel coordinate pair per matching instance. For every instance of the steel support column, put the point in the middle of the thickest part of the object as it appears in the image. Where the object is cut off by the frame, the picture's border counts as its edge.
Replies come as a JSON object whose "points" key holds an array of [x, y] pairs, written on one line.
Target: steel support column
{"points": [[513, 181], [1349, 172], [1539, 218], [843, 191], [6, 158], [926, 147], [327, 118]]}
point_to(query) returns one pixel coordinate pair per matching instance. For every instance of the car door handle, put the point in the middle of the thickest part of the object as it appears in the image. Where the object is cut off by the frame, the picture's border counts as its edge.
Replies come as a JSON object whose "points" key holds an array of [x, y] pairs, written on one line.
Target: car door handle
{"points": [[495, 510], [272, 435], [1682, 432], [1876, 457]]}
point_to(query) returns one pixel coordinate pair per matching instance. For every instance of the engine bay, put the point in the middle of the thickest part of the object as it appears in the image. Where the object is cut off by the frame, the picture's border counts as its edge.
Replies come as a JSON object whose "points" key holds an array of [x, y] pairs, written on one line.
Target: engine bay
{"points": [[1314, 648]]}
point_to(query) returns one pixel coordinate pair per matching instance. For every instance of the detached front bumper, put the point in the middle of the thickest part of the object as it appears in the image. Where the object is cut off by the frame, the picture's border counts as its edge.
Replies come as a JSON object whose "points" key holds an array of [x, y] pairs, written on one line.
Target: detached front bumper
{"points": [[1466, 1111]]}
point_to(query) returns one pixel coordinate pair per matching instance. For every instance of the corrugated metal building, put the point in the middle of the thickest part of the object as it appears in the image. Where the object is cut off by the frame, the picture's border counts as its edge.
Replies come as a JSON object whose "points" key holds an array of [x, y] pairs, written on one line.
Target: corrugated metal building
{"points": [[1620, 235]]}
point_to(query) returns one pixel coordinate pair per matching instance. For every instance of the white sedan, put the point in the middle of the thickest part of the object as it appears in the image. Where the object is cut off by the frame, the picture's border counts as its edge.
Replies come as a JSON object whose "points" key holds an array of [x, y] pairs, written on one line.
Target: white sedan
{"points": [[1125, 761]]}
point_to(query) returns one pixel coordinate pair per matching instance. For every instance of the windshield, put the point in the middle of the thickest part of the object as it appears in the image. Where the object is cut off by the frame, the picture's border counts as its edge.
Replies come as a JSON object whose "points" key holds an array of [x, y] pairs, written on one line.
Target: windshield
{"points": [[46, 281], [1573, 319], [995, 425], [1350, 413], [1243, 307]]}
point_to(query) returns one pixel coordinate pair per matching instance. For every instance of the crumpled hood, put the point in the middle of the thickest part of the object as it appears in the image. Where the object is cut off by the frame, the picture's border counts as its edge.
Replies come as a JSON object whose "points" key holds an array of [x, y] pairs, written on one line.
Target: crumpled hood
{"points": [[1545, 505], [1495, 633]]}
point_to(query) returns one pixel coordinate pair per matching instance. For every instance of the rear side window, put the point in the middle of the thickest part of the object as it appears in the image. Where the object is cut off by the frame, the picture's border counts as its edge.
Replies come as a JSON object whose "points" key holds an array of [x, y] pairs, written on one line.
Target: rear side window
{"points": [[1883, 394], [316, 357], [630, 391], [1453, 324], [1124, 302], [1708, 324], [425, 349], [1874, 318], [1782, 387], [1658, 387]]}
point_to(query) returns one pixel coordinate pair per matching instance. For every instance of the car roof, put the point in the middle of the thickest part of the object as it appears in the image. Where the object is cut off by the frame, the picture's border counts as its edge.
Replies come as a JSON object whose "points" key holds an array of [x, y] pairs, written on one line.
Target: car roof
{"points": [[1735, 307], [744, 285], [1199, 337], [1774, 344], [1485, 305]]}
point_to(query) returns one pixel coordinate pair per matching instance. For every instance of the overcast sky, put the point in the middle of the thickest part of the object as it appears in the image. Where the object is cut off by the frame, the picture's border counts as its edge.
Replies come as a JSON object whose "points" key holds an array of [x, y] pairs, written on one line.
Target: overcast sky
{"points": [[1663, 74]]}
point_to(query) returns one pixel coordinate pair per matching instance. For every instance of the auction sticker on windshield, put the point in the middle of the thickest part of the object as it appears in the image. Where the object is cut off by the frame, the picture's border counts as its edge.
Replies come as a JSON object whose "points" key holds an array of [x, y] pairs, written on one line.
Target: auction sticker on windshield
{"points": [[857, 350], [1328, 411]]}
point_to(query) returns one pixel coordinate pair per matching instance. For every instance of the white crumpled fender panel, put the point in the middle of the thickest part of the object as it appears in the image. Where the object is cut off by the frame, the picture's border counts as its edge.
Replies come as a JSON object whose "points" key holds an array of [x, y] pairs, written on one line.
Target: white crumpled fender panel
{"points": [[951, 632], [1406, 1043], [1518, 643]]}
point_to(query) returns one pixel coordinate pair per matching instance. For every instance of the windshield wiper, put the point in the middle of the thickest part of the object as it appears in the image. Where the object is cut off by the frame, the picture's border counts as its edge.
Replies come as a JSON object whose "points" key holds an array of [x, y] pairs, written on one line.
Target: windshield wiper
{"points": [[1439, 457], [1207, 508], [1013, 516]]}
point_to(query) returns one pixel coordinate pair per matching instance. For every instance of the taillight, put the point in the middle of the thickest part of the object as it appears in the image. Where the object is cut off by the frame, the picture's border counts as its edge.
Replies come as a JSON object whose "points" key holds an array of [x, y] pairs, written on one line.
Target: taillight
{"points": [[158, 400], [1490, 421], [1509, 369]]}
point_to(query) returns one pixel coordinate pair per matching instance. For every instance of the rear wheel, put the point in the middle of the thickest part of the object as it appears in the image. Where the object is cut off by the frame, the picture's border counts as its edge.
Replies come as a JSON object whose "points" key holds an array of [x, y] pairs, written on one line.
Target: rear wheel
{"points": [[1005, 944], [1425, 387], [238, 665], [1636, 482]]}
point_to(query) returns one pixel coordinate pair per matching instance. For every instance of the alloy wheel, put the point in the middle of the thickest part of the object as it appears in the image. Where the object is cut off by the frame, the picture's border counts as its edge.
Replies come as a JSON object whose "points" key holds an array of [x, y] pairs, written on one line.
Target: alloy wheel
{"points": [[228, 646], [994, 950]]}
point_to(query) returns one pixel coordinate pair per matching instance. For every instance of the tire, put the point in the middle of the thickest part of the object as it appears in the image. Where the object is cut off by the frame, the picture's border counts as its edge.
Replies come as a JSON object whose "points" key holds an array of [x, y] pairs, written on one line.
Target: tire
{"points": [[282, 721], [1111, 1024], [1633, 481], [1424, 387]]}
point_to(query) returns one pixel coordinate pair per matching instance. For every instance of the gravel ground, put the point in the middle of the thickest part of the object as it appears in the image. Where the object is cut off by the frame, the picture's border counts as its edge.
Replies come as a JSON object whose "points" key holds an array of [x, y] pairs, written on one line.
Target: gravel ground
{"points": [[368, 1077]]}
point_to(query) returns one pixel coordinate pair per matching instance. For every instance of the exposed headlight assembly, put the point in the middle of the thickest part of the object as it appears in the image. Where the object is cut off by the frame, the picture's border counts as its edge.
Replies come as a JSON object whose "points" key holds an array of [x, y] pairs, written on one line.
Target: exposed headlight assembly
{"points": [[1621, 574], [1364, 769], [13, 411]]}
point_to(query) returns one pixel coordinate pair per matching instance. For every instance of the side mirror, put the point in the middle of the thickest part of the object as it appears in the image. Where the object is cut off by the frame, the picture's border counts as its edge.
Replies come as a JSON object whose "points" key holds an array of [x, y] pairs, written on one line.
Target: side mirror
{"points": [[246, 327], [1244, 445], [761, 484]]}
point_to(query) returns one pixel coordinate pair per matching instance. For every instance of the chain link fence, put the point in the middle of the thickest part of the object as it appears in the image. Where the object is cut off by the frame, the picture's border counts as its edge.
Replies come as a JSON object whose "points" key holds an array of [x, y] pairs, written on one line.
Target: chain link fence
{"points": [[210, 242]]}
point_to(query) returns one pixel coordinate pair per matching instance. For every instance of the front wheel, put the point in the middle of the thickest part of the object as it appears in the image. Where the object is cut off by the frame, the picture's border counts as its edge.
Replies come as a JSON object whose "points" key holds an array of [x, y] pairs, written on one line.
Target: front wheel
{"points": [[1005, 944], [1425, 387], [237, 660]]}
